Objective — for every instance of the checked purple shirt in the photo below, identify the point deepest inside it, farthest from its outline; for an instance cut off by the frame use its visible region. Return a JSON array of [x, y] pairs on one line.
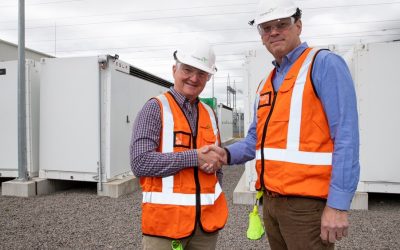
[[145, 160]]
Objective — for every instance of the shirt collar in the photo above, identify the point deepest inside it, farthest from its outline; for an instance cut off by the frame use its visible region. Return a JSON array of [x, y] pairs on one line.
[[292, 55], [181, 99]]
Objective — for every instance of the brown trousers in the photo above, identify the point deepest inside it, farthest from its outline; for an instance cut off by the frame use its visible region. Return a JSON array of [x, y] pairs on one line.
[[198, 241], [294, 223]]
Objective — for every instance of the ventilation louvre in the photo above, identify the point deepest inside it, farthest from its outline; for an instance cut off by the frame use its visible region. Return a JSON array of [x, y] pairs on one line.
[[149, 77]]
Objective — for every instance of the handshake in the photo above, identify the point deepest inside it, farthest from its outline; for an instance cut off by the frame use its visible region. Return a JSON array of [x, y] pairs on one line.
[[211, 158]]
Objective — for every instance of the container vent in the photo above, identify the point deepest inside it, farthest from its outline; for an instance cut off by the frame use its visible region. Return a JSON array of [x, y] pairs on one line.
[[149, 77]]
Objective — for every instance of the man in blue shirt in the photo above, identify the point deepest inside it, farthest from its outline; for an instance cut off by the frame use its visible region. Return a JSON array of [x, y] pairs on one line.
[[304, 136]]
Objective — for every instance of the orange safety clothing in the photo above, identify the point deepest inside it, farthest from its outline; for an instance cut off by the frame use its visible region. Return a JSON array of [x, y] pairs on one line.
[[173, 204], [294, 147]]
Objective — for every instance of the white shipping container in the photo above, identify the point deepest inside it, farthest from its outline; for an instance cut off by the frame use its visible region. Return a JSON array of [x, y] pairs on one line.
[[88, 106], [258, 65], [375, 69], [225, 122], [9, 118]]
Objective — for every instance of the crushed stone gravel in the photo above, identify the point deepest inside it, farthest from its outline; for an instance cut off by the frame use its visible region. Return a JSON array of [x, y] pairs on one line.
[[79, 219]]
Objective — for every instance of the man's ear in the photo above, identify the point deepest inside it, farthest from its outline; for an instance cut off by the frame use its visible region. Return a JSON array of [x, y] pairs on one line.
[[174, 68], [299, 26]]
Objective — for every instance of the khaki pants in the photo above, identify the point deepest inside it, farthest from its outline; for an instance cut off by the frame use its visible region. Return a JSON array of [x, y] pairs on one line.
[[198, 241], [293, 222]]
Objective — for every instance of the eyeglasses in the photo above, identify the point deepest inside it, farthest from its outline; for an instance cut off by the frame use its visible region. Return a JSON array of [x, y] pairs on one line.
[[189, 71], [279, 25]]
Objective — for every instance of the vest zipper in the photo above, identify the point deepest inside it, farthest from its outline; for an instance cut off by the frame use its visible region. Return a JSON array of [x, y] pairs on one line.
[[197, 182], [263, 141], [196, 174]]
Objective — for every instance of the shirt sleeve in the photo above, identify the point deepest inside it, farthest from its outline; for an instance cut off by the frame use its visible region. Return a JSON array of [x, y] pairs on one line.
[[245, 149], [335, 88], [145, 160]]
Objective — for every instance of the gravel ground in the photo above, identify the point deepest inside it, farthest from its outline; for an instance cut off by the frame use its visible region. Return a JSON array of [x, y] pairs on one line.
[[79, 219]]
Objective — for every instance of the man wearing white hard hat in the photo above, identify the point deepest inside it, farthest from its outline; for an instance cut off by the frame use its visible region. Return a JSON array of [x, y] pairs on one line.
[[183, 204], [304, 136]]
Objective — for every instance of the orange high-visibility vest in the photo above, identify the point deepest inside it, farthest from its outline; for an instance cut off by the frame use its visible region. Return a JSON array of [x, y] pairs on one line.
[[294, 147], [172, 205]]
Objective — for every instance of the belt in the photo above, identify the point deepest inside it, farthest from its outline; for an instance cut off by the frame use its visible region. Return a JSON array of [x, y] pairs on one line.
[[272, 194]]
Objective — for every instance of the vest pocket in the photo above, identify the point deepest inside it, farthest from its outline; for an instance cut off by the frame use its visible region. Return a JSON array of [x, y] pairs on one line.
[[265, 99], [208, 138], [182, 139], [277, 131], [316, 137]]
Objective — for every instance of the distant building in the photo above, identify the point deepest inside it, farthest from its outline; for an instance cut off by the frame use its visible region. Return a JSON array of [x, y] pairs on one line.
[[9, 52]]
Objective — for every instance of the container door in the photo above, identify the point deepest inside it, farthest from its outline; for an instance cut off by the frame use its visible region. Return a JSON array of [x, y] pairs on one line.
[[378, 102], [128, 95], [9, 119], [69, 118]]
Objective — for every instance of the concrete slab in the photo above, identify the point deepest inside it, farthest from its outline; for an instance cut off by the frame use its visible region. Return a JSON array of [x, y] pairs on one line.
[[19, 188], [360, 201], [33, 187], [242, 194], [40, 186], [117, 188]]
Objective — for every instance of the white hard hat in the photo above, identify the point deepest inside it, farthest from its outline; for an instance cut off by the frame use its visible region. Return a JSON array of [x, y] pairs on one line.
[[269, 10], [197, 53]]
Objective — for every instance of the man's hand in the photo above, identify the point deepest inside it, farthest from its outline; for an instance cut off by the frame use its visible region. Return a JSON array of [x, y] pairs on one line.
[[334, 225], [218, 150], [211, 158], [209, 161]]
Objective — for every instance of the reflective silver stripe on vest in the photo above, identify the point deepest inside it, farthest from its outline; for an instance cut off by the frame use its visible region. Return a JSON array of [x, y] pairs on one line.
[[167, 196], [168, 125], [295, 156], [181, 199], [292, 153], [296, 104], [213, 121], [167, 140]]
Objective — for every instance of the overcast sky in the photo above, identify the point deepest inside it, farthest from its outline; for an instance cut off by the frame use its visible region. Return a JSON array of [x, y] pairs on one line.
[[145, 33]]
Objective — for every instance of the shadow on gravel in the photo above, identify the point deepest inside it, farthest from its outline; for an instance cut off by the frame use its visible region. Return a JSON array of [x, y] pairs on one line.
[[379, 201]]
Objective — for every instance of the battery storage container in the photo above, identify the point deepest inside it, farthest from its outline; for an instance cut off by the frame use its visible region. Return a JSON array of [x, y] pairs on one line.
[[9, 118], [88, 107]]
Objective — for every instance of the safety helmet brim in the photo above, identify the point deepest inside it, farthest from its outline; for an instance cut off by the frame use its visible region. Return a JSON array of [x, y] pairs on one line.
[[194, 62], [269, 10], [277, 15], [197, 52]]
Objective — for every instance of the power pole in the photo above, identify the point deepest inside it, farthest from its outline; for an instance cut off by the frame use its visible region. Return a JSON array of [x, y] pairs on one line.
[[22, 158]]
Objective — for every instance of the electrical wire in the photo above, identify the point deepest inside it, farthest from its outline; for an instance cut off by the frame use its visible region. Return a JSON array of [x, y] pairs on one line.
[[141, 12], [43, 3], [193, 16]]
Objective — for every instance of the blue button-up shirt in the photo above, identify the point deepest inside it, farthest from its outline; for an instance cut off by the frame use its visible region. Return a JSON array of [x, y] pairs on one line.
[[335, 88]]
